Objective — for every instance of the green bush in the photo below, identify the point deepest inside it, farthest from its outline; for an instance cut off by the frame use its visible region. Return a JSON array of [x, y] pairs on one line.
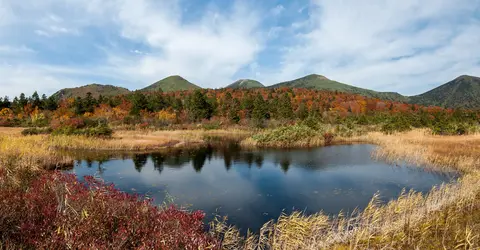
[[36, 131], [286, 135], [395, 126], [99, 131], [211, 125], [445, 128]]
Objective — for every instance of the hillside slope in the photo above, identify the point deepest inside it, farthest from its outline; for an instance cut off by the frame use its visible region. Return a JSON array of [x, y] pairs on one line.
[[462, 92], [170, 84], [95, 89], [245, 84], [320, 82]]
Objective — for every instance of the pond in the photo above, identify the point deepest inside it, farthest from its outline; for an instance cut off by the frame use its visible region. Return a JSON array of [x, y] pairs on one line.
[[253, 187]]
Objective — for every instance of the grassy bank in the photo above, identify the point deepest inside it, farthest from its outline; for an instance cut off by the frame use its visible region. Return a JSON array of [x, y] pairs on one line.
[[447, 217]]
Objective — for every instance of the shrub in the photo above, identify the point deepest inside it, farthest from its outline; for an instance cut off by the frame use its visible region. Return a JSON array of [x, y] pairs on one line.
[[99, 131], [299, 135], [444, 128], [328, 137], [59, 212], [36, 131], [397, 125], [211, 125]]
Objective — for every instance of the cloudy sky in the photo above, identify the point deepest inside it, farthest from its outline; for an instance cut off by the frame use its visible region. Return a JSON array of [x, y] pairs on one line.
[[407, 46]]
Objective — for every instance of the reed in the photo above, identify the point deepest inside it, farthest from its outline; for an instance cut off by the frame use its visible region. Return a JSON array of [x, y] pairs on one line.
[[447, 217]]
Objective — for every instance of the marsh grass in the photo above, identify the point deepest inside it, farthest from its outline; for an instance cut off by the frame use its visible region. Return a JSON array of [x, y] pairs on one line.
[[448, 217]]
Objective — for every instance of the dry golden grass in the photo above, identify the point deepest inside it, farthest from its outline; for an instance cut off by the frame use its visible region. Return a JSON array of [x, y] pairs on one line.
[[11, 131], [128, 140], [448, 217]]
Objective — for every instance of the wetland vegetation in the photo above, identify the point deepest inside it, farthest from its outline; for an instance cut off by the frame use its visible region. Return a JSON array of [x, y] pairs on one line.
[[64, 212]]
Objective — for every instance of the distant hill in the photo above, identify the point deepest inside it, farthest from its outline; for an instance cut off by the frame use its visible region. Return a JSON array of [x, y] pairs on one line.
[[320, 82], [463, 92], [95, 89], [245, 84], [170, 84]]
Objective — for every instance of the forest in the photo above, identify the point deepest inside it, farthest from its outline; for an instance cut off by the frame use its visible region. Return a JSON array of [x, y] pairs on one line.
[[212, 109]]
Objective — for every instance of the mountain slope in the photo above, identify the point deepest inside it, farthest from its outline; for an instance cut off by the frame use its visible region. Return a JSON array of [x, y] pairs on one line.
[[95, 89], [245, 84], [170, 84], [319, 82], [462, 92]]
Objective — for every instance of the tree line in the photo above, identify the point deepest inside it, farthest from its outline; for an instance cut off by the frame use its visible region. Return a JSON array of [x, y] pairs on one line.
[[252, 107]]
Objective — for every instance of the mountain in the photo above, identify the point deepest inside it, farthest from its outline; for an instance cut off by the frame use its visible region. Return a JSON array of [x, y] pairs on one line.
[[170, 84], [462, 92], [95, 89], [320, 82], [245, 84]]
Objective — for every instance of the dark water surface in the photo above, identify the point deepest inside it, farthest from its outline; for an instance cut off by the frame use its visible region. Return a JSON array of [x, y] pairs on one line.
[[252, 187]]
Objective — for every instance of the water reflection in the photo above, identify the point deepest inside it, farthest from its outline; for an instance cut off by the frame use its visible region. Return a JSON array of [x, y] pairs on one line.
[[254, 186]]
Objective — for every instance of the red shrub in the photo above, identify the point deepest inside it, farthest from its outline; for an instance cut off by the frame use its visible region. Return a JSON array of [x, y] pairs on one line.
[[328, 137], [63, 122], [59, 212]]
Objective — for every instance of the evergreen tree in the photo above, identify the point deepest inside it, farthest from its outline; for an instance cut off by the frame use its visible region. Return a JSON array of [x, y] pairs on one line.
[[51, 104], [22, 101], [302, 111], [226, 104], [139, 102], [247, 105], [233, 111], [4, 103], [35, 100], [260, 110], [89, 103], [43, 101], [16, 105], [78, 106], [285, 107], [198, 107], [156, 102]]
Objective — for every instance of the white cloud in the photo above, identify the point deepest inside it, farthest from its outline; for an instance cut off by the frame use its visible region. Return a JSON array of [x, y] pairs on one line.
[[405, 46], [387, 45], [208, 52]]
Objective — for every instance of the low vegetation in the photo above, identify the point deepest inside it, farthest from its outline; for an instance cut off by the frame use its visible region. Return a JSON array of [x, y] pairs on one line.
[[58, 212]]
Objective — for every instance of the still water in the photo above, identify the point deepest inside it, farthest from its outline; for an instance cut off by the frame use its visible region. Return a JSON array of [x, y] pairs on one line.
[[253, 187]]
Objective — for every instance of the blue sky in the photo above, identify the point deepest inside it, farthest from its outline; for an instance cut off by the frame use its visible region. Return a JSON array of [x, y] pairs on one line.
[[405, 46]]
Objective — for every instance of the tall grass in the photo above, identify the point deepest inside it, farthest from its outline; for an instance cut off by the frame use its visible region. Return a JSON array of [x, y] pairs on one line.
[[448, 217]]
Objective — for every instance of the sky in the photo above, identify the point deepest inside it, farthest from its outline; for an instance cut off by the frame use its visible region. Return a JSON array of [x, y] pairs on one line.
[[407, 46]]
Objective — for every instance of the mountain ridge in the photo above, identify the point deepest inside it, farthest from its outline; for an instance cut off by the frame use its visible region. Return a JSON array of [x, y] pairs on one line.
[[245, 84], [462, 92], [320, 82], [95, 89], [170, 84]]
